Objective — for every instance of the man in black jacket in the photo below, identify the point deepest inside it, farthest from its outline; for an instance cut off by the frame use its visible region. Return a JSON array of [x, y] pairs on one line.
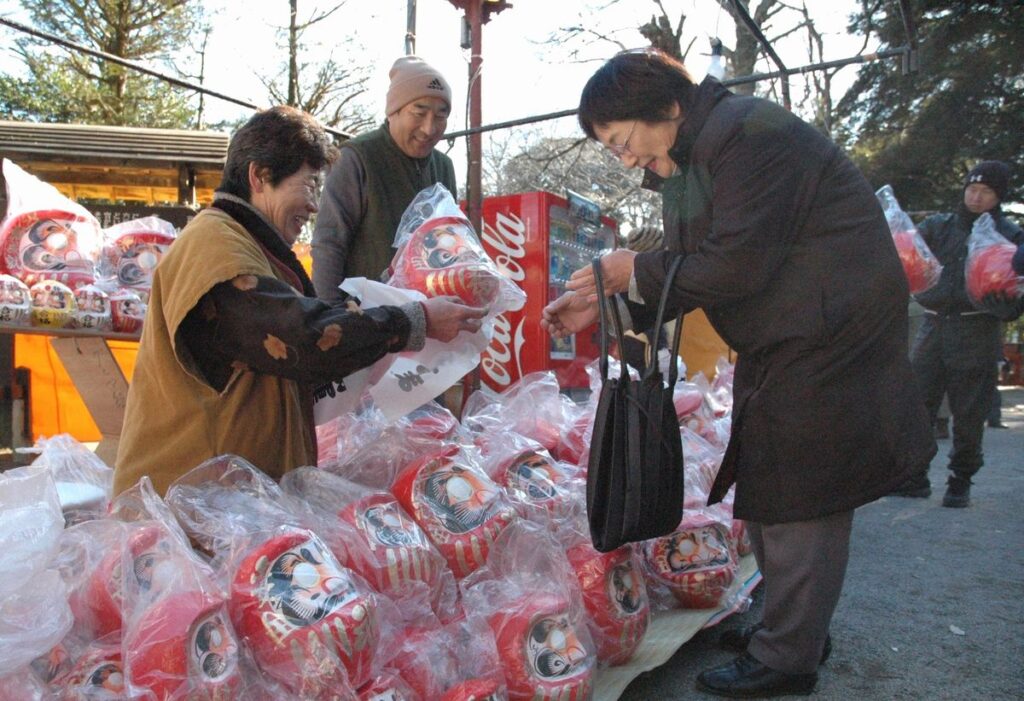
[[956, 349]]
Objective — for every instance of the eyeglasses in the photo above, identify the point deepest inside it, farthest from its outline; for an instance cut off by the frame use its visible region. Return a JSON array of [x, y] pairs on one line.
[[620, 150]]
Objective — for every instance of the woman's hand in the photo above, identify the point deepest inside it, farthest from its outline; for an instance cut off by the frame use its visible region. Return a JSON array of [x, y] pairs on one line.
[[447, 316], [569, 314], [616, 271]]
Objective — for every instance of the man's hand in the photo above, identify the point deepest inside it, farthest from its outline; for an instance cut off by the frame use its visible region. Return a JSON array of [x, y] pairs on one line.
[[616, 271], [569, 314], [447, 316]]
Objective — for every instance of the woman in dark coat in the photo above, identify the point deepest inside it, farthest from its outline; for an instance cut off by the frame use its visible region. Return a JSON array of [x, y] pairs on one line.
[[787, 251]]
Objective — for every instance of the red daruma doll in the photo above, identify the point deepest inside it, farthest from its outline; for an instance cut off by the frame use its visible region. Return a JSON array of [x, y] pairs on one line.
[[541, 653], [921, 267], [439, 260], [989, 269], [695, 562], [153, 565], [182, 647], [402, 554], [50, 245], [461, 510], [300, 612], [615, 597]]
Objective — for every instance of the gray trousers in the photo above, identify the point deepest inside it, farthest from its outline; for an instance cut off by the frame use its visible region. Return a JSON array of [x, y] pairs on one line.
[[803, 564]]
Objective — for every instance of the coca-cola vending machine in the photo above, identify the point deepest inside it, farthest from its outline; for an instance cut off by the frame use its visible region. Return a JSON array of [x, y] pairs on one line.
[[538, 239]]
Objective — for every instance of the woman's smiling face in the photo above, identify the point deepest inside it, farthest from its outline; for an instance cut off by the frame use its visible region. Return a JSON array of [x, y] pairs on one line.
[[640, 144]]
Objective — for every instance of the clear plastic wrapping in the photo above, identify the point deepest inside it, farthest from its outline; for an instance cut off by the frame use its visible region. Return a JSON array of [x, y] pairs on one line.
[[920, 265]]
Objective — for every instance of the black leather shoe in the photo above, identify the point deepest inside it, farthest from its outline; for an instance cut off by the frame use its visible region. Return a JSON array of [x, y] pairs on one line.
[[917, 487], [746, 678], [958, 493], [738, 639]]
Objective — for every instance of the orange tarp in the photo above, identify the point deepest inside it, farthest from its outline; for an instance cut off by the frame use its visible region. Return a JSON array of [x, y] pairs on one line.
[[55, 404]]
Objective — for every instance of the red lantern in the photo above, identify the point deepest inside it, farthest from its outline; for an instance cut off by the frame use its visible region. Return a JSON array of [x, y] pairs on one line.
[[50, 244], [459, 508], [920, 266], [695, 563], [302, 616], [541, 653], [183, 646], [474, 690], [615, 598], [990, 270], [438, 260], [400, 549]]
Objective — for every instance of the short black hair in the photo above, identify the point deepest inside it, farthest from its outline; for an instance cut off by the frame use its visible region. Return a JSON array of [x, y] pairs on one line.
[[634, 85], [281, 139]]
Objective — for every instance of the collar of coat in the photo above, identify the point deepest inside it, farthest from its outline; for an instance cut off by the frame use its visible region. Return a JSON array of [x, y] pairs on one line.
[[702, 100], [267, 236]]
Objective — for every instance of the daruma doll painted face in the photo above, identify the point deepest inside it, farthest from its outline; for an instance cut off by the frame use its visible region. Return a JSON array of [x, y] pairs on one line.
[[439, 260], [399, 549], [615, 597], [695, 563], [461, 510], [540, 650], [184, 647], [50, 245], [302, 616]]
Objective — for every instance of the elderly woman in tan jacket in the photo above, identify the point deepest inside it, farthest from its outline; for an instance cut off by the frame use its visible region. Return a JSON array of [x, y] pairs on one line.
[[235, 338]]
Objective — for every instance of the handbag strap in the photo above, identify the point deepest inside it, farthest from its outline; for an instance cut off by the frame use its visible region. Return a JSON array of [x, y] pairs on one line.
[[607, 309], [652, 367]]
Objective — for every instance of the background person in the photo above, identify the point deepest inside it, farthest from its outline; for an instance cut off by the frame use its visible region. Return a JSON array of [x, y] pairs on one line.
[[234, 337], [957, 348], [376, 177], [785, 248]]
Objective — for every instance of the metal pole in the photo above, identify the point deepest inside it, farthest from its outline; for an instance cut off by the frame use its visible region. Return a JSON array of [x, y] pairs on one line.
[[741, 10], [474, 13], [410, 28]]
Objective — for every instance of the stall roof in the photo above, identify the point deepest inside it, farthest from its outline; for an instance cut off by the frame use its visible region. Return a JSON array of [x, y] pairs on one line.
[[119, 163]]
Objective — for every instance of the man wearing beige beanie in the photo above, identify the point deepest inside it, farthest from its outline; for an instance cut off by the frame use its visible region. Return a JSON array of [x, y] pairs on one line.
[[377, 176]]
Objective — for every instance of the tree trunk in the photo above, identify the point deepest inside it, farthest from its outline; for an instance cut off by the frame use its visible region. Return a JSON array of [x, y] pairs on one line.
[[293, 55]]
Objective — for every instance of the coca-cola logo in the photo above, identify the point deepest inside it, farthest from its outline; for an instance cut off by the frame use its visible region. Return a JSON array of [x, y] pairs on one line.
[[506, 346], [506, 238]]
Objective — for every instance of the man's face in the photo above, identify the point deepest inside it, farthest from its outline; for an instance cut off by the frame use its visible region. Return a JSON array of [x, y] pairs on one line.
[[419, 125], [980, 198]]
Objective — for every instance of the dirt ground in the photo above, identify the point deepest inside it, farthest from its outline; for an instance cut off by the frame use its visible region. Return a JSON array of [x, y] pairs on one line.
[[933, 604]]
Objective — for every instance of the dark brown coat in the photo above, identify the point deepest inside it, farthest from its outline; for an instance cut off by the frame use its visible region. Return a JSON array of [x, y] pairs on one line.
[[788, 252]]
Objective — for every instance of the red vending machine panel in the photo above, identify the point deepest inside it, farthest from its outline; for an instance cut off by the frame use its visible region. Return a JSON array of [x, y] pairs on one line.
[[535, 240]]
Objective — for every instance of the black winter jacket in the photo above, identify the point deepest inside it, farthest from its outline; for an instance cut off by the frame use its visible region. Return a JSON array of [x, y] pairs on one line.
[[787, 250]]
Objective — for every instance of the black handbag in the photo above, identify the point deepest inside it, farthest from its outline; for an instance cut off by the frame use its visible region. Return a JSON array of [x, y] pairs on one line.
[[635, 469]]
